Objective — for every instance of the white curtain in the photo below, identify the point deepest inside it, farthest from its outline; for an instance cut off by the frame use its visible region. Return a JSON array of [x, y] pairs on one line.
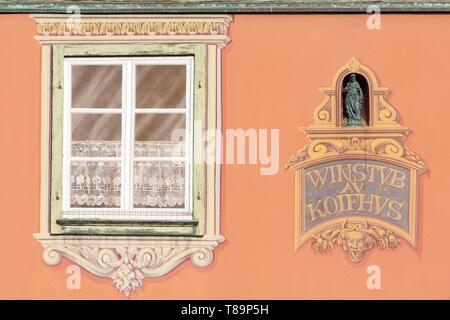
[[156, 184]]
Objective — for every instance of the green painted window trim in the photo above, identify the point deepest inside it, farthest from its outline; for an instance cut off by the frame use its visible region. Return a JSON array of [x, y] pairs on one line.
[[147, 228]]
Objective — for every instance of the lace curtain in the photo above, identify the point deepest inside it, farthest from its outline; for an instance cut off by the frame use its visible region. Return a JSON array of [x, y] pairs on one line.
[[156, 184], [141, 149]]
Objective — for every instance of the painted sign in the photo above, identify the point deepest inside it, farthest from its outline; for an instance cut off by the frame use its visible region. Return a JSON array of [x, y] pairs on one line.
[[344, 188], [356, 182]]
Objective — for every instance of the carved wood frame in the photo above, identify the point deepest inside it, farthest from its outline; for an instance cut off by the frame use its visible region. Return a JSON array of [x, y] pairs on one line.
[[128, 260]]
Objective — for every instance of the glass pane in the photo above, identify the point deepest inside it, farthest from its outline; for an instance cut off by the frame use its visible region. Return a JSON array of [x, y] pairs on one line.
[[160, 86], [96, 86], [95, 184], [160, 135], [96, 135], [158, 184]]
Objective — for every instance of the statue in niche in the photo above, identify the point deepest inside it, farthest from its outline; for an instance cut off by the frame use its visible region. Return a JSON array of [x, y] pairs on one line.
[[353, 102]]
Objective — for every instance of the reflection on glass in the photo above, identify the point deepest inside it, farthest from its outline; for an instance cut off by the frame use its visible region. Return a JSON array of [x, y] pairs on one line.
[[158, 184], [95, 184], [160, 135], [96, 135], [160, 86], [96, 86]]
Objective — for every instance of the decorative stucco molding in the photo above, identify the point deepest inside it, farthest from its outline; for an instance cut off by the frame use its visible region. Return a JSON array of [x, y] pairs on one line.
[[128, 261], [131, 28], [390, 148], [339, 235]]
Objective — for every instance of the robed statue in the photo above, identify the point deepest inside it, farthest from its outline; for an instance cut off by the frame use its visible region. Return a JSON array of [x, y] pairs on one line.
[[353, 102]]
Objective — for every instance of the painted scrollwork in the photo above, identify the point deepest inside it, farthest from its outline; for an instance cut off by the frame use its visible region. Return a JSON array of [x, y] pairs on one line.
[[386, 113], [411, 156], [389, 148], [128, 265], [357, 145], [321, 148], [355, 238], [327, 113], [99, 28], [381, 140], [299, 157], [323, 113]]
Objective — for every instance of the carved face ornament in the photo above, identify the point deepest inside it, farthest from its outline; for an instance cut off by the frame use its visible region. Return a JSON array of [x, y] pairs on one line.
[[355, 240]]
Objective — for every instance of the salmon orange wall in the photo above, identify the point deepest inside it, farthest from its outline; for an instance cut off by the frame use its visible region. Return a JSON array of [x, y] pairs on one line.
[[271, 73]]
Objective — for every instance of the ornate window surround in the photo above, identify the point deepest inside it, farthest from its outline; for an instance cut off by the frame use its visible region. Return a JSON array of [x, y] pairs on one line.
[[129, 259]]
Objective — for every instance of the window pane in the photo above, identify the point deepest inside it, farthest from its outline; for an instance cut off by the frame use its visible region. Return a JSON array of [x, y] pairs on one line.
[[96, 135], [160, 86], [159, 184], [95, 184], [160, 135], [96, 86]]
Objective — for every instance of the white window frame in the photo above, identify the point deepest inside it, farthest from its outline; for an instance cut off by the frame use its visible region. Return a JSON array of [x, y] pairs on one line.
[[128, 111]]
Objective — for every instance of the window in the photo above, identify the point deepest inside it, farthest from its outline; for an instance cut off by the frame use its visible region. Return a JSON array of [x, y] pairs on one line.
[[130, 106], [124, 140], [128, 138]]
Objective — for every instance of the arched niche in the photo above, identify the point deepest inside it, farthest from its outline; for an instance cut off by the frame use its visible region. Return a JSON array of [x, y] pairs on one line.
[[366, 107], [377, 113]]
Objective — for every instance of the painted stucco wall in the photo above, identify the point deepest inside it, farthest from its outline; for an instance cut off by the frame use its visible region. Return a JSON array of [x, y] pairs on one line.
[[271, 73]]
